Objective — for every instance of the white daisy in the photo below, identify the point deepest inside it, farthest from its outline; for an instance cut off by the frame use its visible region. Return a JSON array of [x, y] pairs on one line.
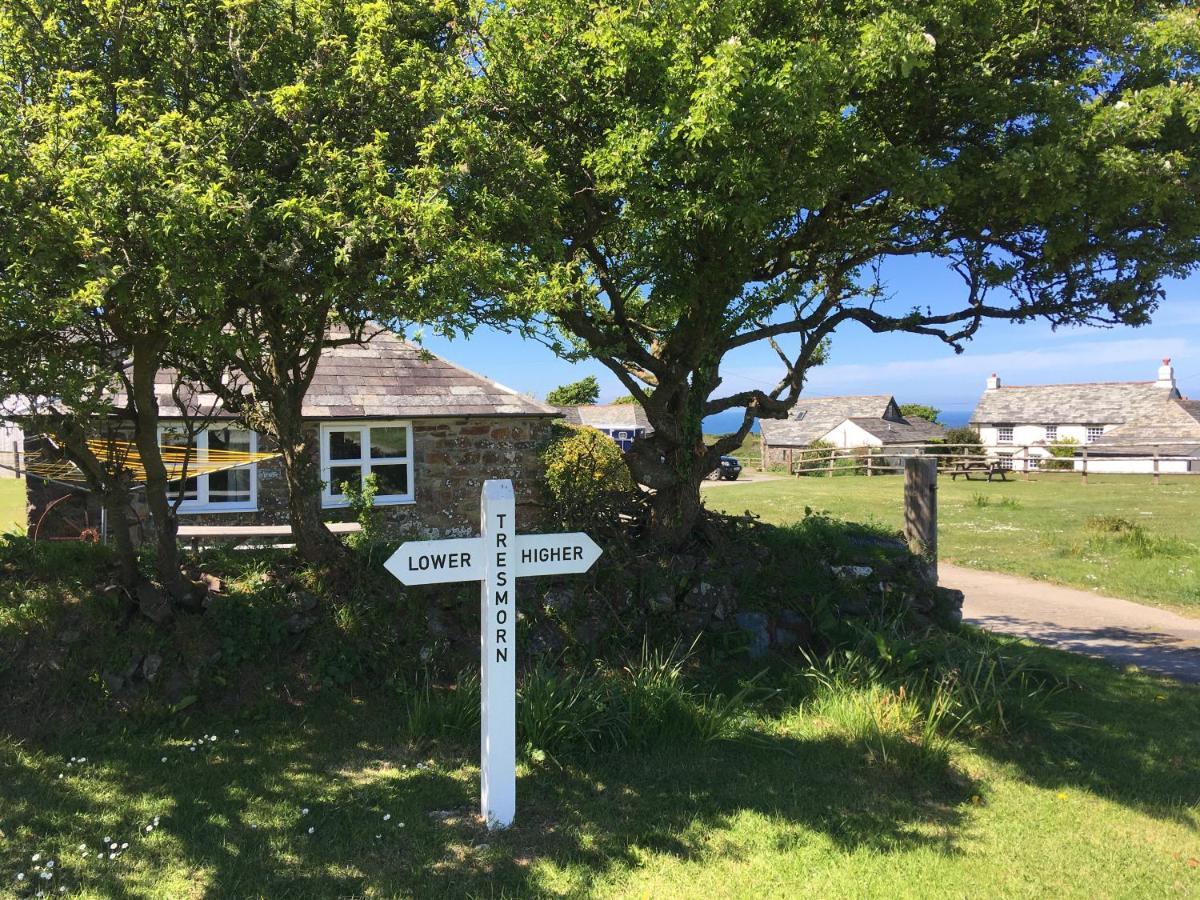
[[387, 816]]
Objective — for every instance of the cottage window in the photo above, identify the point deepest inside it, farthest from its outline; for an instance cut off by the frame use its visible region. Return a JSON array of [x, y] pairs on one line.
[[350, 451], [1004, 434], [1094, 432], [230, 490], [1051, 433], [1033, 462], [1005, 460]]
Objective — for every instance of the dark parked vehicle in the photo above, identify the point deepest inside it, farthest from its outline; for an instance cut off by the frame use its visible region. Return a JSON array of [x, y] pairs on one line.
[[729, 469]]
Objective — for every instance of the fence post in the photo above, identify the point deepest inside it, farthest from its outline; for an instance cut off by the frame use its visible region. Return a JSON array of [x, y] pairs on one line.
[[831, 452], [791, 461], [920, 511], [1084, 469], [870, 456], [1156, 464]]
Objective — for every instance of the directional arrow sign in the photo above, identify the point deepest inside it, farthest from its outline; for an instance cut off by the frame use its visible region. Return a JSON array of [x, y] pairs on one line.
[[431, 562], [496, 558], [461, 559], [555, 554]]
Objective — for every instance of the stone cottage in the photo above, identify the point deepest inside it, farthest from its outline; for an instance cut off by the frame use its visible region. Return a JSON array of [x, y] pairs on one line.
[[429, 431]]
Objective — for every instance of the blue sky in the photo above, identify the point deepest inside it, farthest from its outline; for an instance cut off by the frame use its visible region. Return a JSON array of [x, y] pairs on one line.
[[915, 369]]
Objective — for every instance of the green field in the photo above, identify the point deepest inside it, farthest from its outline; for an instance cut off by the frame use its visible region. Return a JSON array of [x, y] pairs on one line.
[[12, 505], [1095, 796], [1047, 528]]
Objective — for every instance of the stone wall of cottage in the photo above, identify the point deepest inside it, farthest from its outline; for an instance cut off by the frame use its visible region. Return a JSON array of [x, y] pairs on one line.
[[452, 457]]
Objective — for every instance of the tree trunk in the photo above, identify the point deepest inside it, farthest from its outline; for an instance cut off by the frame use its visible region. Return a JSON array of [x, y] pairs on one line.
[[116, 505], [302, 472], [145, 435], [675, 511]]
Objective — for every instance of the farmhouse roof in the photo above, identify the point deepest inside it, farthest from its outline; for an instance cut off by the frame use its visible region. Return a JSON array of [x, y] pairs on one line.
[[913, 430], [1173, 429], [1101, 403], [607, 415], [814, 417], [385, 377]]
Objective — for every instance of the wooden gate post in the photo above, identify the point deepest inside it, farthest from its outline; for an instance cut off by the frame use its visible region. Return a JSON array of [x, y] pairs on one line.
[[1156, 465], [920, 510]]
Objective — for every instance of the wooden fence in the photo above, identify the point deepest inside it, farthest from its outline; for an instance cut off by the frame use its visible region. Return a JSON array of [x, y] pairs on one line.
[[1028, 460]]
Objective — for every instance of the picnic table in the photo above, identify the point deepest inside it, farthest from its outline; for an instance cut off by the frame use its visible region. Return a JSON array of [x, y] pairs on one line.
[[990, 468], [235, 534]]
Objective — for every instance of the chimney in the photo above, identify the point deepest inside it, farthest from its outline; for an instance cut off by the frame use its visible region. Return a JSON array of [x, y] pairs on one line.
[[993, 382], [1166, 375]]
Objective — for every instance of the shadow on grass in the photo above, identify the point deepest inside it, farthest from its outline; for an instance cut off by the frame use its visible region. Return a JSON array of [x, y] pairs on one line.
[[232, 822], [341, 764], [1128, 736]]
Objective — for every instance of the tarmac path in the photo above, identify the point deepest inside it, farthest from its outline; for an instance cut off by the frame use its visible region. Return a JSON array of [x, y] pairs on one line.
[[1120, 631]]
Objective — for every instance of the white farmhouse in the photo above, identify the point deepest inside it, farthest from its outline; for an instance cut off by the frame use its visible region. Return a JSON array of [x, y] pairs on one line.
[[1018, 424], [845, 423]]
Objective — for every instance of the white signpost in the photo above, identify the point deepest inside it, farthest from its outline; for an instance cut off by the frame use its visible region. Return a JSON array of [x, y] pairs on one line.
[[497, 558]]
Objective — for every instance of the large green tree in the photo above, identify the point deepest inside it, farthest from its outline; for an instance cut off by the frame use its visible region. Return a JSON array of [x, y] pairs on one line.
[[703, 177], [110, 205], [226, 189], [321, 142]]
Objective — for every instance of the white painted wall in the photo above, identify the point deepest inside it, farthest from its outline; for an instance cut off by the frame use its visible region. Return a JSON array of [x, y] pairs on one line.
[[1139, 466], [848, 435], [1030, 435], [11, 437]]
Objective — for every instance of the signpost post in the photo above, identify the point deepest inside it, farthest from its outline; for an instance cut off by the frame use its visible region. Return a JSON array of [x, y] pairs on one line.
[[497, 558]]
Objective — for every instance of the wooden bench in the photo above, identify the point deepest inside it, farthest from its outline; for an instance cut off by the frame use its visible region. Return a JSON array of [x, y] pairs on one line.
[[966, 469], [235, 534]]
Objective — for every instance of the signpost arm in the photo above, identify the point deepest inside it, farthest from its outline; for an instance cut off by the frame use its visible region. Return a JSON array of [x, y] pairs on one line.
[[498, 651]]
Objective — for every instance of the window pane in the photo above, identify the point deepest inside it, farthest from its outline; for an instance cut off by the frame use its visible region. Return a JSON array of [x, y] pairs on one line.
[[230, 486], [389, 442], [345, 444], [229, 439], [338, 474], [189, 489], [392, 479]]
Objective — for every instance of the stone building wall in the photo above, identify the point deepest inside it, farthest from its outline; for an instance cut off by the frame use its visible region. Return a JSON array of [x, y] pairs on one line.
[[452, 457]]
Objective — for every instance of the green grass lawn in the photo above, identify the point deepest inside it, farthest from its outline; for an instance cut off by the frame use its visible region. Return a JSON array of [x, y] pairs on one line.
[[12, 505], [1095, 796], [1038, 528]]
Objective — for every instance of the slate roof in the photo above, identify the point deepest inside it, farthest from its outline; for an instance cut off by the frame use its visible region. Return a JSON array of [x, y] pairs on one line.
[[814, 417], [1103, 403], [607, 416], [904, 431], [386, 377], [1174, 428]]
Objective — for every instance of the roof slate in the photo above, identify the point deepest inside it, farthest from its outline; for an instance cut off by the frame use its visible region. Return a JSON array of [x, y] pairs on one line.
[[388, 378], [607, 415], [1171, 428], [814, 417], [905, 431], [1104, 403]]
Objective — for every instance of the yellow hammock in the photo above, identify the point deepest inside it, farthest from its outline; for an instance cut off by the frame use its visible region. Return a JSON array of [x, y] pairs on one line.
[[181, 462]]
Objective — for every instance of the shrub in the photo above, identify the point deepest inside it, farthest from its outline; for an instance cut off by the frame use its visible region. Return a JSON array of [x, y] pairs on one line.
[[1062, 454], [586, 477], [961, 442], [814, 459], [368, 516]]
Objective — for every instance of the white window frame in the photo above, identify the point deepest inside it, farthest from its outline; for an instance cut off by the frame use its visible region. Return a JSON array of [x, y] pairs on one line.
[[202, 504], [364, 426], [1033, 462], [1093, 432], [1001, 430], [1005, 460], [1051, 434]]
